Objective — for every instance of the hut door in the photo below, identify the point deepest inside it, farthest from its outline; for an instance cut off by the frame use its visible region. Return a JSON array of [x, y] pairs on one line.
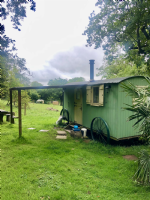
[[78, 106]]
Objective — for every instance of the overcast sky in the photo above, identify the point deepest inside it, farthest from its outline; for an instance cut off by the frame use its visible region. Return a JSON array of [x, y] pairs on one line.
[[51, 40]]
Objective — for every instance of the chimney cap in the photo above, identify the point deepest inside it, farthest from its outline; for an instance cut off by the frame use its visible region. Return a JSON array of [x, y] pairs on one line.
[[91, 61]]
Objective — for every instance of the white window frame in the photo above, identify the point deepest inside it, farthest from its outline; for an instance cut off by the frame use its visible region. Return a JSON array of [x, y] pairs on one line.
[[89, 95]]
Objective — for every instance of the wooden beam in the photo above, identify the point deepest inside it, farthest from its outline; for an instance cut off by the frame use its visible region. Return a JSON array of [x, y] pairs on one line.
[[19, 113], [63, 98], [11, 110]]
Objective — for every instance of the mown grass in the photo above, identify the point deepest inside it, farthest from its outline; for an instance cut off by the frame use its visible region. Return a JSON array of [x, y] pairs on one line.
[[37, 166]]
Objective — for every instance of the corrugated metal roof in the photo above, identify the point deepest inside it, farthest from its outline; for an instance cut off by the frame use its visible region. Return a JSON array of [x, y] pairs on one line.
[[97, 82], [35, 88], [74, 84], [77, 83], [114, 80]]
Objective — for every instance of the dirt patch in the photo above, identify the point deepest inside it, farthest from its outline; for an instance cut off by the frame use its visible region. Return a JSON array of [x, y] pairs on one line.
[[130, 157], [87, 141]]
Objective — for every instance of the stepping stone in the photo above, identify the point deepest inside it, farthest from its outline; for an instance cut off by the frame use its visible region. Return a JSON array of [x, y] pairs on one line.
[[61, 133], [69, 131], [31, 128], [130, 157], [61, 137], [43, 130]]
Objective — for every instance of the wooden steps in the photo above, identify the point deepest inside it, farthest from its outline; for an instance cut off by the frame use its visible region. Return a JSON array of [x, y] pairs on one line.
[[61, 135]]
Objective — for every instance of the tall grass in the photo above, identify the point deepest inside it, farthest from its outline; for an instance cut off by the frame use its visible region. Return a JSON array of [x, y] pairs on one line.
[[37, 166]]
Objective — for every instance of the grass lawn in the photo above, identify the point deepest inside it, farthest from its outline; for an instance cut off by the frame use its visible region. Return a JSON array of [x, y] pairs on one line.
[[37, 166]]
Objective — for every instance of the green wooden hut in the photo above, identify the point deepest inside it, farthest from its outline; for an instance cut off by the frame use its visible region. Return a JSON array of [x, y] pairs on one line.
[[97, 105]]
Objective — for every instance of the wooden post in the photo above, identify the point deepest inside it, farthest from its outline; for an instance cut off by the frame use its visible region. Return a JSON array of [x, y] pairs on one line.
[[25, 109], [11, 110], [63, 98], [19, 113]]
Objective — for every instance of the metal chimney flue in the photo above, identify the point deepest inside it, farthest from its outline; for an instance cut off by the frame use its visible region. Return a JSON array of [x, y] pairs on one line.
[[92, 70]]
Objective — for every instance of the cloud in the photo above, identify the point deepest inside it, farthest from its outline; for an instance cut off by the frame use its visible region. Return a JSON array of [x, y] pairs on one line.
[[43, 76], [69, 64], [76, 60]]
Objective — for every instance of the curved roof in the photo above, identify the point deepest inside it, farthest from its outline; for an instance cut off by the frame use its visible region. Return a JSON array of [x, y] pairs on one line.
[[114, 80], [104, 81], [76, 84]]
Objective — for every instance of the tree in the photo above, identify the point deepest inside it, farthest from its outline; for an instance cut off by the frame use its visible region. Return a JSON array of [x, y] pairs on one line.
[[57, 93], [57, 81], [4, 68], [8, 78], [121, 25], [25, 99], [34, 95], [16, 9], [35, 84], [11, 76], [121, 67], [24, 80], [76, 79], [12, 82]]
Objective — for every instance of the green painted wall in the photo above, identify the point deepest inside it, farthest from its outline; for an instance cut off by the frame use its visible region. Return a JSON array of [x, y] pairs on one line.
[[125, 128], [108, 112], [111, 112], [69, 102]]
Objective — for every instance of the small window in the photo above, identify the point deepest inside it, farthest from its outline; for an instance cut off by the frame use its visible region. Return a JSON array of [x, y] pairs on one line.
[[96, 95], [78, 95]]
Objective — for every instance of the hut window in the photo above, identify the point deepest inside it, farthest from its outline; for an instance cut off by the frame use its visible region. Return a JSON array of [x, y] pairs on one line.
[[96, 95], [78, 94]]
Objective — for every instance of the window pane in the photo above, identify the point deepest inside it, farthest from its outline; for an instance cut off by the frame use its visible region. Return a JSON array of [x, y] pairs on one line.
[[78, 94], [96, 95]]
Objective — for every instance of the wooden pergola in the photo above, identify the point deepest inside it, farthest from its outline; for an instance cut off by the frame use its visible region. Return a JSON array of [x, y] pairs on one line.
[[19, 101], [72, 85]]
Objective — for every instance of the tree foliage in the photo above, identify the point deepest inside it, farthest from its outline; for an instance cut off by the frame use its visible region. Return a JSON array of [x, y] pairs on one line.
[[143, 173], [11, 76], [121, 25], [57, 93], [11, 66], [16, 10], [34, 95], [35, 84], [141, 107], [121, 67], [57, 81], [76, 79]]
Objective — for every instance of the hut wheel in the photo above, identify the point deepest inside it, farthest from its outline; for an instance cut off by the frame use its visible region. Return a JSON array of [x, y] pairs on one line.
[[100, 130], [65, 114]]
